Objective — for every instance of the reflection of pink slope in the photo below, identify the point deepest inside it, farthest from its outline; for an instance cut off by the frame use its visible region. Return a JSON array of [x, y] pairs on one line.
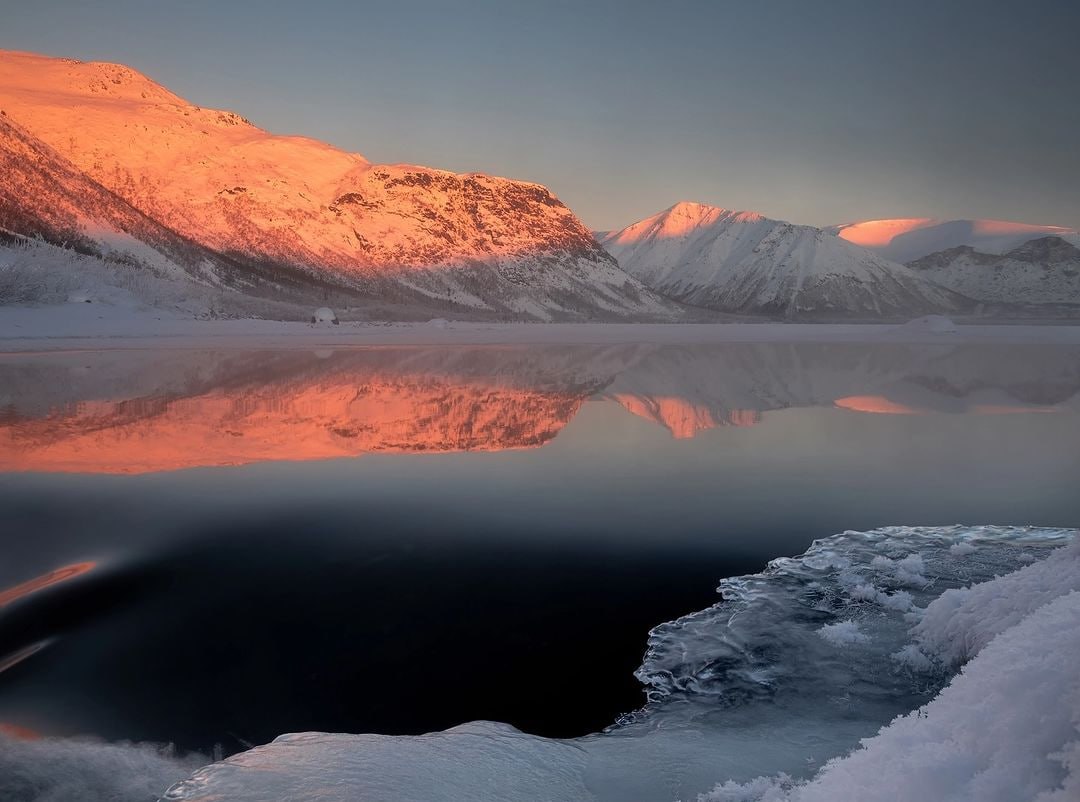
[[681, 417], [1003, 409], [45, 580], [875, 404], [878, 404], [291, 421], [18, 732]]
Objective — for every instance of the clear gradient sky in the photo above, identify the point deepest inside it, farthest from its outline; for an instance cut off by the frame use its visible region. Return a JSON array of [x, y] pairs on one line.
[[817, 112]]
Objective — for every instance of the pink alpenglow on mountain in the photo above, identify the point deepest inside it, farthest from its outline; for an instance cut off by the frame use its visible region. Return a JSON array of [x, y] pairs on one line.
[[288, 211], [905, 239]]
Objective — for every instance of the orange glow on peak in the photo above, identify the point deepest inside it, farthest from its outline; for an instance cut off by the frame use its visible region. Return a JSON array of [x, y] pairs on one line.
[[879, 233]]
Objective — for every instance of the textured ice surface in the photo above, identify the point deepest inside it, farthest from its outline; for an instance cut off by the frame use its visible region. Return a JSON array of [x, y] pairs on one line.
[[813, 635], [1006, 729], [746, 689]]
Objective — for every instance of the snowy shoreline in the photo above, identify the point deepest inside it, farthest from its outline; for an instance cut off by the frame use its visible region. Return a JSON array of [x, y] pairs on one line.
[[98, 326]]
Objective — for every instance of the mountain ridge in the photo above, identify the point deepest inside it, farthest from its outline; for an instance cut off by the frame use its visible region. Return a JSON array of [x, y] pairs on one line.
[[1040, 271], [744, 262], [399, 233]]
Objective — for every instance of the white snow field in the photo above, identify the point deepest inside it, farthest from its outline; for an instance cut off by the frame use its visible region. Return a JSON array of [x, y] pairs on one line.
[[752, 695]]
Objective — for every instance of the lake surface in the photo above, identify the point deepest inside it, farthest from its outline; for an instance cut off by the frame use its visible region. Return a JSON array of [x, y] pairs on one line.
[[212, 547]]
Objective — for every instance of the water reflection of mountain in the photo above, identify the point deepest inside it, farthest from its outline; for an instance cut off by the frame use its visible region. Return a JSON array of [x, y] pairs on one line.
[[131, 412]]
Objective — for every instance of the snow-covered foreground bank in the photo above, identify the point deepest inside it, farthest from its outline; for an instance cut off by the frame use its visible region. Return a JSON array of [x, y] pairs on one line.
[[791, 669], [101, 324]]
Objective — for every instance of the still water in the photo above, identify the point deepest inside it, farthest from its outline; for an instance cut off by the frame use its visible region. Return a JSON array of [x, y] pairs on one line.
[[215, 547]]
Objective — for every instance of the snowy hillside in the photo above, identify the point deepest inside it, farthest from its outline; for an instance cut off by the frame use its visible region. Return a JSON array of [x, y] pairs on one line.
[[292, 209], [44, 196], [906, 239], [1041, 271], [743, 262]]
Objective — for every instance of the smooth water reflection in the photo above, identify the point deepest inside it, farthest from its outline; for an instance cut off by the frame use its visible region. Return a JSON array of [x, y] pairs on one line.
[[402, 539], [137, 412]]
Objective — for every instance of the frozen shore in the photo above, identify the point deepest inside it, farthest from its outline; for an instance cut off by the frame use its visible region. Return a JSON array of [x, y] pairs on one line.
[[76, 326]]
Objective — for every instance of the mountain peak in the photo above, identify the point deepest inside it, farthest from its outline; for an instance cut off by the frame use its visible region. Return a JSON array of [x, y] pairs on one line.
[[706, 214], [31, 72]]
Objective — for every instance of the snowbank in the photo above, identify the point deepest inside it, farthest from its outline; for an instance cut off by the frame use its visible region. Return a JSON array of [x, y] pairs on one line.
[[959, 623], [1007, 729]]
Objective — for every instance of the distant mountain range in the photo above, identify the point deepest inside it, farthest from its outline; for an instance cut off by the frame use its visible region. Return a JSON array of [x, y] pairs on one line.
[[99, 159], [906, 239], [744, 262], [1041, 271], [108, 160]]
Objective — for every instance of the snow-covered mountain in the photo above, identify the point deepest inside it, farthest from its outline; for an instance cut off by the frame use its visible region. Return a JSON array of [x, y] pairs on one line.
[[744, 262], [287, 205], [905, 239], [1041, 271], [44, 196]]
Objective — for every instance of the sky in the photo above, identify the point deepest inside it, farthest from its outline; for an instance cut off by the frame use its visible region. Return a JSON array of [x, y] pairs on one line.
[[815, 112]]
